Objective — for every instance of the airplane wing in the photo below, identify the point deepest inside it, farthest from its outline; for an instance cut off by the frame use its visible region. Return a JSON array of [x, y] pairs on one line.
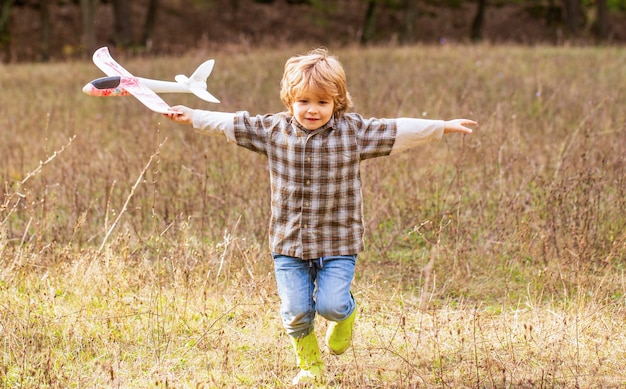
[[103, 60]]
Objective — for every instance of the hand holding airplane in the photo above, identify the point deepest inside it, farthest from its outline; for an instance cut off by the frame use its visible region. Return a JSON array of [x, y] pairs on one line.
[[120, 82]]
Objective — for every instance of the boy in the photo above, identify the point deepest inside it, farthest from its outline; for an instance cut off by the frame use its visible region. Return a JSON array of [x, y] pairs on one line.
[[316, 228]]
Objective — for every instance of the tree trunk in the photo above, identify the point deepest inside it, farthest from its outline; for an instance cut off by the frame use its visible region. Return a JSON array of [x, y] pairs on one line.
[[574, 17], [602, 22], [5, 35], [478, 22], [46, 29], [148, 27], [553, 13], [5, 12], [122, 24], [409, 34], [369, 27], [88, 15]]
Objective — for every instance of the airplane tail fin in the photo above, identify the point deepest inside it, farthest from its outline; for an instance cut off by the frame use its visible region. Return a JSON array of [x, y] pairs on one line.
[[197, 82]]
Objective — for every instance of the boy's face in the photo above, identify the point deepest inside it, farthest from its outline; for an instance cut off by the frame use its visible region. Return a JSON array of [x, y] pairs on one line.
[[312, 111]]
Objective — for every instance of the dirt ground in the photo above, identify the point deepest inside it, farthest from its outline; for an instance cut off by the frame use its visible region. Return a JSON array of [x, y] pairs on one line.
[[182, 26]]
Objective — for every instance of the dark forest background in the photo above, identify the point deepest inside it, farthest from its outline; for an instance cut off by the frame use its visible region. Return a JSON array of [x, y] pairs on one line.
[[43, 30]]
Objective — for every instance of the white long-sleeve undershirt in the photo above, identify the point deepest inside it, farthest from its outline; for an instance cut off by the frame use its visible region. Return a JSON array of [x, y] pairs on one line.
[[411, 132], [214, 123]]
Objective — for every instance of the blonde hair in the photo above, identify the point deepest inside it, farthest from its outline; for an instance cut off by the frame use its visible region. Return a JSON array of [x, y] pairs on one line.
[[316, 72]]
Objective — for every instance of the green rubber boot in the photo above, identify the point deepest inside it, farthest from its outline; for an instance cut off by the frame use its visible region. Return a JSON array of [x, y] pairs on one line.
[[308, 359], [339, 334]]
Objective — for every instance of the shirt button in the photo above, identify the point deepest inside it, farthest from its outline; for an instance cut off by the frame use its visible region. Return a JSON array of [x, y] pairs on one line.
[[308, 182]]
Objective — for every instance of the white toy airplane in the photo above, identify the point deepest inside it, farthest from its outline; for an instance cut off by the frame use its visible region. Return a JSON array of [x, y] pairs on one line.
[[120, 82]]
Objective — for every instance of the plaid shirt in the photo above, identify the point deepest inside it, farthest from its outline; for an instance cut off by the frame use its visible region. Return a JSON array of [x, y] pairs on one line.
[[315, 178]]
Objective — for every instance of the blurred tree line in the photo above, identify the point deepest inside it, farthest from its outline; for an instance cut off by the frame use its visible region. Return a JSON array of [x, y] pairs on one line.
[[573, 15]]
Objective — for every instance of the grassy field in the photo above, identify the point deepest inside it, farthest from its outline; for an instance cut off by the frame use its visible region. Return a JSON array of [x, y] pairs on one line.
[[133, 251]]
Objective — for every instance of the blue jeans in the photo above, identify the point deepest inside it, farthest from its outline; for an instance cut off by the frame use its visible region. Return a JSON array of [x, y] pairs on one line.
[[307, 287]]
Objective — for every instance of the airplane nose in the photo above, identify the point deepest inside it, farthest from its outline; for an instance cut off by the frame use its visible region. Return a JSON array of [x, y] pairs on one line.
[[87, 88]]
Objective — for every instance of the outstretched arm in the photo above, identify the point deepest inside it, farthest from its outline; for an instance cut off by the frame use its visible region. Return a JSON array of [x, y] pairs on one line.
[[413, 132], [205, 122]]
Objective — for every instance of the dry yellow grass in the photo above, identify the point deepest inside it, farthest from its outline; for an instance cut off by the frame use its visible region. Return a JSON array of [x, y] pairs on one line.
[[495, 260]]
